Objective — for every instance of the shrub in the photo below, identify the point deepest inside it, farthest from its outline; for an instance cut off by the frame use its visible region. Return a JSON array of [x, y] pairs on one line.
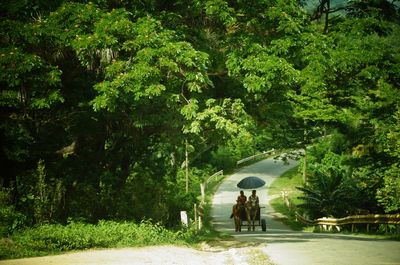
[[55, 238], [10, 219], [225, 158]]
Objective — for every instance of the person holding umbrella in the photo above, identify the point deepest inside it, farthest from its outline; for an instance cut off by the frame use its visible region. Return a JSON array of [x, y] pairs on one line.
[[253, 199], [252, 206]]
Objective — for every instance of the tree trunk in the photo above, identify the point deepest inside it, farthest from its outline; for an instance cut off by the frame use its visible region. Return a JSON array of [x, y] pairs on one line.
[[327, 9], [305, 152], [305, 165]]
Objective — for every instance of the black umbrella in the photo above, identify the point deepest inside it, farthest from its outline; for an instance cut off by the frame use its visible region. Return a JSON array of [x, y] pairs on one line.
[[251, 182]]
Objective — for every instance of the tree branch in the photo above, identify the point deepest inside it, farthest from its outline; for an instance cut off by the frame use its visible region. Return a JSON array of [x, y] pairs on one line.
[[223, 73]]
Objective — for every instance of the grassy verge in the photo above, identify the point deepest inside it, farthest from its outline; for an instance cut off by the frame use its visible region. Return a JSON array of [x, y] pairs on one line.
[[287, 182], [54, 238]]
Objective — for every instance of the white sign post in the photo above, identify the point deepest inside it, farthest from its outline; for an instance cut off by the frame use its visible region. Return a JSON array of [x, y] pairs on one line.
[[184, 219]]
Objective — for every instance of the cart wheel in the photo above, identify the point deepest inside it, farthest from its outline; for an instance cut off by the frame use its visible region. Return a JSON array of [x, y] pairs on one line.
[[263, 225]]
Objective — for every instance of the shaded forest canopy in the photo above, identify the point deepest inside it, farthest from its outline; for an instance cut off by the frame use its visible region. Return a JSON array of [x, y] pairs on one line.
[[120, 109]]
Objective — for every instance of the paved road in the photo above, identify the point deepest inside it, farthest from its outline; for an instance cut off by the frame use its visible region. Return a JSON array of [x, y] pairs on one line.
[[287, 247]]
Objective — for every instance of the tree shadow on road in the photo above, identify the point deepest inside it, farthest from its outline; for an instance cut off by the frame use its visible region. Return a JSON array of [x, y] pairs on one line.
[[289, 236]]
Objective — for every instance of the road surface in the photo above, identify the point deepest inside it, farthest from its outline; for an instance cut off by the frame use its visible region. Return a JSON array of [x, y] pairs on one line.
[[287, 247]]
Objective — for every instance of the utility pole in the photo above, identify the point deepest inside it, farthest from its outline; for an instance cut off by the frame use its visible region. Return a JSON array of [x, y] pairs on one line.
[[187, 166], [305, 152], [305, 165]]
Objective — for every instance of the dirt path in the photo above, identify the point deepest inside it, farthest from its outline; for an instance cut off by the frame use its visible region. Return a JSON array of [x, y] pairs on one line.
[[132, 256], [165, 255]]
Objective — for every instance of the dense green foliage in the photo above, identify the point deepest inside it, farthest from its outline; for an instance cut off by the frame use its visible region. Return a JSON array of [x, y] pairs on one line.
[[120, 109]]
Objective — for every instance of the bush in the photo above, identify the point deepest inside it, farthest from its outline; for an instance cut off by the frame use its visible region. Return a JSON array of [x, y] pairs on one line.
[[10, 219], [55, 238], [225, 158]]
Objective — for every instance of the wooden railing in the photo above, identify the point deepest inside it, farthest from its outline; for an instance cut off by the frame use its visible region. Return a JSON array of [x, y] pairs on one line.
[[199, 209], [213, 176], [326, 223], [203, 185], [255, 156]]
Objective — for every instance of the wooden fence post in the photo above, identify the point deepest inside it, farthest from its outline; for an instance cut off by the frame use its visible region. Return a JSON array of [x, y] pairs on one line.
[[201, 215], [285, 198], [202, 190]]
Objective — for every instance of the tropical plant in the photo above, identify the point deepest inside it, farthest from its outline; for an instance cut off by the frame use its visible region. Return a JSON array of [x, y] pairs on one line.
[[328, 193]]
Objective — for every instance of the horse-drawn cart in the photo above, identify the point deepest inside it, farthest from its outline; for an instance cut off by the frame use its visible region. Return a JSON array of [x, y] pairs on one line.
[[247, 210], [256, 221]]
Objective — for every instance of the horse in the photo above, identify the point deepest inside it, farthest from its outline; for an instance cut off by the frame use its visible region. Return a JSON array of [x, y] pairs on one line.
[[251, 213], [237, 211]]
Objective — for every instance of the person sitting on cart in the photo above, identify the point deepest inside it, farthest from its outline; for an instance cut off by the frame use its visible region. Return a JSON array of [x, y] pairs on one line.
[[240, 204], [253, 199], [242, 198], [252, 207]]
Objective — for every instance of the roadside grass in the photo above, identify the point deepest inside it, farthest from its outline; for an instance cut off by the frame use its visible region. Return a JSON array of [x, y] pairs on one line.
[[258, 257], [55, 238], [287, 183]]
